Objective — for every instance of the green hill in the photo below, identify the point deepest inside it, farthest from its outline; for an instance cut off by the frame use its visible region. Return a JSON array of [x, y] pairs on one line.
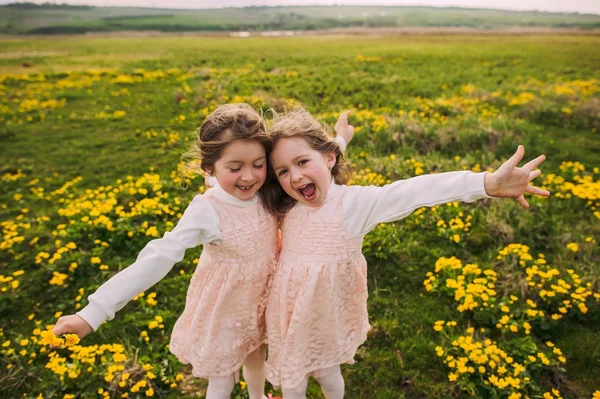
[[29, 18]]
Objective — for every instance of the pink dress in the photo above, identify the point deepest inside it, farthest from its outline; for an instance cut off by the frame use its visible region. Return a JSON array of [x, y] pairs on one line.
[[224, 316], [317, 309]]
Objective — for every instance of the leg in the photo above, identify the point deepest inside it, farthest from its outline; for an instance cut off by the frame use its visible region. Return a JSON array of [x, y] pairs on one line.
[[254, 373], [296, 393], [332, 382], [220, 387]]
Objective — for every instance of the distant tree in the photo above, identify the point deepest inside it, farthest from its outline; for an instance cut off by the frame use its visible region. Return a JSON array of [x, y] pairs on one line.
[[30, 6]]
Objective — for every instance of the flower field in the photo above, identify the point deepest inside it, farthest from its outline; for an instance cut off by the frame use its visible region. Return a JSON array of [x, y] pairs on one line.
[[484, 300]]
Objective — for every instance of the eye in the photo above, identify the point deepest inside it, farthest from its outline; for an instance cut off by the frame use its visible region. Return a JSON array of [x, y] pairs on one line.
[[259, 166], [235, 170], [303, 161], [282, 172]]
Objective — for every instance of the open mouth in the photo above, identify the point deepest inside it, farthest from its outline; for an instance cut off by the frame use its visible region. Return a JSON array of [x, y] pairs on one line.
[[245, 189], [308, 191]]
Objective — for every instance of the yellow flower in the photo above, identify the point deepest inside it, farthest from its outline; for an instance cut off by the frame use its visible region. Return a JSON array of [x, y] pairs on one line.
[[48, 338], [72, 339], [243, 384], [596, 395], [573, 246]]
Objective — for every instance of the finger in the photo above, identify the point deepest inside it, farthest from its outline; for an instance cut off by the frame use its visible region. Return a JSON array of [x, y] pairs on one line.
[[534, 174], [521, 200], [517, 157], [343, 116], [59, 328], [537, 191], [534, 163]]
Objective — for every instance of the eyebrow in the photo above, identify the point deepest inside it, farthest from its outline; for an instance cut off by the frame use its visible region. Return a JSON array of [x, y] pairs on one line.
[[234, 161], [293, 160]]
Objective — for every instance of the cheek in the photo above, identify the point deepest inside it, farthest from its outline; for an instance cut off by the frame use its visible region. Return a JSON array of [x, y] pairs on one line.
[[285, 184], [262, 173], [229, 179]]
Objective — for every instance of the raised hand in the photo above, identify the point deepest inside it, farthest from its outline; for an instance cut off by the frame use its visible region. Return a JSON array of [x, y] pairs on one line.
[[343, 129], [510, 181]]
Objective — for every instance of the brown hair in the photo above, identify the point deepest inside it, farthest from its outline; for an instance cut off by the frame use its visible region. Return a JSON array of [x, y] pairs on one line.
[[299, 123], [226, 124]]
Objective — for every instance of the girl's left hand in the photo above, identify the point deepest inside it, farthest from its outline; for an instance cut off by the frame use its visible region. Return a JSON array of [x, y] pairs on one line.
[[510, 181]]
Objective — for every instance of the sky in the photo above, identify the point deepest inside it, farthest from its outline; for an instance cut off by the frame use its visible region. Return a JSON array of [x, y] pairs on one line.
[[580, 6]]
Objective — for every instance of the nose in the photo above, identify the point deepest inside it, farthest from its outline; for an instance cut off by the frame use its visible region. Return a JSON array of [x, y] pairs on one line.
[[296, 175], [246, 174]]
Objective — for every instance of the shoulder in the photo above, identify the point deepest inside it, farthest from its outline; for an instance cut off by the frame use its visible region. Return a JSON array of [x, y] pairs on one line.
[[201, 200], [356, 193], [201, 204]]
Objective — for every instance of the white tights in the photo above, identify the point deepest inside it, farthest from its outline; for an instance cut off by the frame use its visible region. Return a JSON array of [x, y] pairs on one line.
[[331, 380], [254, 375]]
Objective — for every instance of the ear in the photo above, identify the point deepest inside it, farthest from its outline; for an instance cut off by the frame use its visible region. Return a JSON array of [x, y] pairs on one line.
[[330, 159], [208, 170]]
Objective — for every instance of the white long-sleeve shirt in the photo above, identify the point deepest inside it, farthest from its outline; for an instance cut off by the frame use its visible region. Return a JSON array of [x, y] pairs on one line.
[[363, 209]]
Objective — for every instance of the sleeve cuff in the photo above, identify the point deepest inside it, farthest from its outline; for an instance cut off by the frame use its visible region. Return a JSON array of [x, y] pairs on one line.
[[476, 185], [93, 315], [342, 143]]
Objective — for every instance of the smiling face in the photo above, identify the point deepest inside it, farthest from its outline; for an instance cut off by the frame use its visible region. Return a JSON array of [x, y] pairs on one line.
[[304, 173], [242, 168]]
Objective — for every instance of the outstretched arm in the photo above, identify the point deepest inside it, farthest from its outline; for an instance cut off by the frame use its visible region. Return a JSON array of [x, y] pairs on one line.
[[198, 225], [365, 207]]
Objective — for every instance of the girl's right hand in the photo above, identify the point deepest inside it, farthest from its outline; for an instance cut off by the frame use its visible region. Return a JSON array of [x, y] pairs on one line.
[[72, 324], [343, 129]]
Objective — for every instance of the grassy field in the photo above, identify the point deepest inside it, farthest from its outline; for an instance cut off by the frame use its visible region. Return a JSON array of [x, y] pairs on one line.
[[466, 300], [48, 19]]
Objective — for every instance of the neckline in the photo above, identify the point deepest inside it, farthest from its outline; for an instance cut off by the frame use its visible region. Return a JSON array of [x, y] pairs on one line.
[[222, 195]]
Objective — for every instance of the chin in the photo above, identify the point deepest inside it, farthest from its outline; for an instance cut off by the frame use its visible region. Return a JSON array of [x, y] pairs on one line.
[[313, 204], [246, 196]]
